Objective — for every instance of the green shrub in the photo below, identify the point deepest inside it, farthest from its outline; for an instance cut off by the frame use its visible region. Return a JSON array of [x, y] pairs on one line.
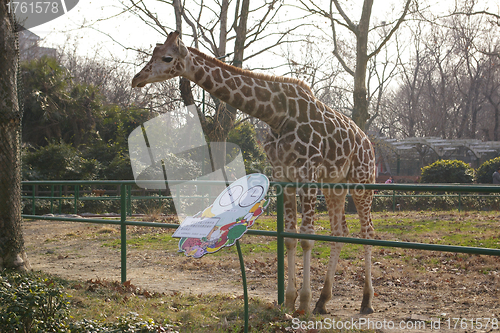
[[485, 171], [447, 171], [57, 160], [131, 323], [31, 304], [421, 201]]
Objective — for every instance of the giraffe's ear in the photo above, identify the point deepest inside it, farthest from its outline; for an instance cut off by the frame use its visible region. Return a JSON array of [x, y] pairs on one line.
[[183, 51]]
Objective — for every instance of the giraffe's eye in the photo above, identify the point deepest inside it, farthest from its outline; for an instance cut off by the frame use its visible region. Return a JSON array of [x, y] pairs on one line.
[[167, 59]]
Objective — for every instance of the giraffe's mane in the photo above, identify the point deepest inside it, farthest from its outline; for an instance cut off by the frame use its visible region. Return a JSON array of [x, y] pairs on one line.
[[240, 71]]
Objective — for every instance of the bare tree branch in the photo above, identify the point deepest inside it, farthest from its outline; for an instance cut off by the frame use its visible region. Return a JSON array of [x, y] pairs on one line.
[[481, 12], [337, 54], [148, 13], [393, 30], [350, 24], [319, 11]]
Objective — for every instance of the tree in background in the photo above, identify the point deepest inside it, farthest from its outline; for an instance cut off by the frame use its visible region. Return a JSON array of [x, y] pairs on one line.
[[449, 79], [354, 56], [55, 107], [73, 129], [12, 252]]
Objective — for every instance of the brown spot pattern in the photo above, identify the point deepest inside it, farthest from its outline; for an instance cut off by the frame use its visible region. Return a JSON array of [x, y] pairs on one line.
[[217, 76], [262, 94]]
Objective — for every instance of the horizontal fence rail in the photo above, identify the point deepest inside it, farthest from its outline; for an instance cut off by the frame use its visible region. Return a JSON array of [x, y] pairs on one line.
[[65, 193], [124, 196]]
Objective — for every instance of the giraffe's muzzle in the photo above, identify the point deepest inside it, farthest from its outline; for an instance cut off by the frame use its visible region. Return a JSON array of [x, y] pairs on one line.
[[137, 81]]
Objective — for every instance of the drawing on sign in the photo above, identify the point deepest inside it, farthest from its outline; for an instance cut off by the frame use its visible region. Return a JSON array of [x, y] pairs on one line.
[[235, 209], [196, 227]]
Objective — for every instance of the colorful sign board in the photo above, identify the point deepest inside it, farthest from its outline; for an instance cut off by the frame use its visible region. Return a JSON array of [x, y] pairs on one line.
[[227, 219]]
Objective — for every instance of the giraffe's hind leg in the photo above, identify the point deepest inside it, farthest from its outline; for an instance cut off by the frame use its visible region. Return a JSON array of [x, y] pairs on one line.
[[335, 202], [363, 201]]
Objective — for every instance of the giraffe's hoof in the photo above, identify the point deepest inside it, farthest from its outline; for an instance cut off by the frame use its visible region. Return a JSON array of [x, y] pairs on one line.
[[290, 305], [366, 310], [290, 298], [303, 309], [320, 310]]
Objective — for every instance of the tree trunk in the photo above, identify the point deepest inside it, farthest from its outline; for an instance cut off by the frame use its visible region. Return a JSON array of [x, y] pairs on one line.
[[241, 35], [360, 113], [225, 114], [496, 135], [12, 253], [217, 128], [184, 84]]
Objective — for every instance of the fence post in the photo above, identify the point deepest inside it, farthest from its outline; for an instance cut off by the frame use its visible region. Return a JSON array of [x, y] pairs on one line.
[[33, 199], [280, 246], [129, 200], [76, 194], [123, 231], [393, 201], [459, 202], [267, 208], [60, 200], [244, 280], [52, 199]]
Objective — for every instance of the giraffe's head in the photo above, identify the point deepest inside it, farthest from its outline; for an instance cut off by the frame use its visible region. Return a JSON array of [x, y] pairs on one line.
[[168, 61]]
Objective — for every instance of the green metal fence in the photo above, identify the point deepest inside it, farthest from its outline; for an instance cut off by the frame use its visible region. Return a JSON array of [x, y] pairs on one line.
[[124, 197], [75, 193]]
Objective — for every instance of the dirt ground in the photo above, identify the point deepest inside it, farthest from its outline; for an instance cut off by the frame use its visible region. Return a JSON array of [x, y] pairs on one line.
[[453, 286]]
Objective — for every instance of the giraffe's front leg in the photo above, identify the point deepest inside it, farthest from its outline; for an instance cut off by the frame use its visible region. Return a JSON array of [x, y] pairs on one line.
[[290, 209], [305, 291], [291, 288], [307, 227]]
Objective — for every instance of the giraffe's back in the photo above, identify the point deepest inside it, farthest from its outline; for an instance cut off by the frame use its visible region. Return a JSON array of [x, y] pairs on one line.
[[315, 135]]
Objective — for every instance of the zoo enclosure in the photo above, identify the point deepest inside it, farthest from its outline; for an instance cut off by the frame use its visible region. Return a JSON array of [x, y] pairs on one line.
[[123, 194]]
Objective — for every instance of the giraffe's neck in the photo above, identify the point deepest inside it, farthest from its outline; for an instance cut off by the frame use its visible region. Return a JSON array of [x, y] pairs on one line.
[[260, 96]]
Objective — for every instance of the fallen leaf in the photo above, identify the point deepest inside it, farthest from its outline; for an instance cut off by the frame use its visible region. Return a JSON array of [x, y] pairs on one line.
[[298, 313]]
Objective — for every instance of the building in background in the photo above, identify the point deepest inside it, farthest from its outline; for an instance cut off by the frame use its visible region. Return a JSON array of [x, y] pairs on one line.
[[29, 48]]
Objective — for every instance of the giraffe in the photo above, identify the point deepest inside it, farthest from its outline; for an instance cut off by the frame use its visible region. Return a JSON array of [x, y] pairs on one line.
[[307, 142]]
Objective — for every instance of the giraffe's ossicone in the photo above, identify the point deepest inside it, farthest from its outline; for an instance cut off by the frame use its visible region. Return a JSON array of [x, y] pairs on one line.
[[307, 143]]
